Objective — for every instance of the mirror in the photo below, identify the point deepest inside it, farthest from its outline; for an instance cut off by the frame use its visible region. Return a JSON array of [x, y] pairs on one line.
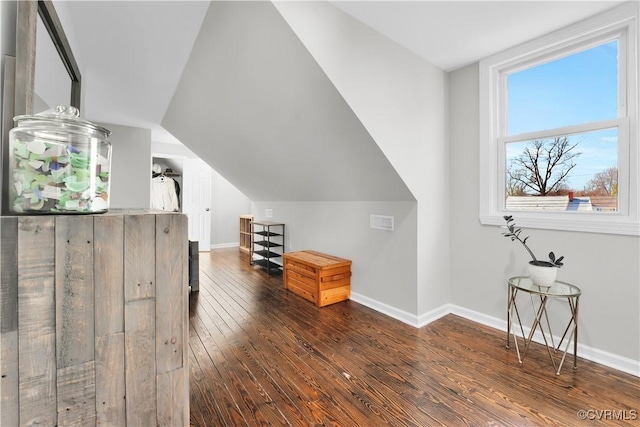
[[52, 85], [37, 23], [40, 74]]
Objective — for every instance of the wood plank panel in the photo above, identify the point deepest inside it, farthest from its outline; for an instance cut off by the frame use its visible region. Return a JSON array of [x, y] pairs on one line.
[[139, 257], [9, 402], [110, 380], [301, 289], [37, 321], [184, 224], [75, 328], [170, 306], [109, 274], [77, 395], [140, 362], [9, 413], [334, 295], [8, 274], [60, 367], [171, 397]]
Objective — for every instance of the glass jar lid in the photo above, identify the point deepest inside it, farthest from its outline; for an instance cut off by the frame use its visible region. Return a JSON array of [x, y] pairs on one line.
[[64, 116]]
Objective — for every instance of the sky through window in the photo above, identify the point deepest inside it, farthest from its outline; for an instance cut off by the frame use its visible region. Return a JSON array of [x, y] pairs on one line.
[[576, 89]]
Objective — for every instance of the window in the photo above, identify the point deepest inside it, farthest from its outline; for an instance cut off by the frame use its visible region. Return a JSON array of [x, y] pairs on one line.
[[558, 128]]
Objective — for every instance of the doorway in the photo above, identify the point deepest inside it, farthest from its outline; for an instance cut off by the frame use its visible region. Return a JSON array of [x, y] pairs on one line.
[[193, 177]]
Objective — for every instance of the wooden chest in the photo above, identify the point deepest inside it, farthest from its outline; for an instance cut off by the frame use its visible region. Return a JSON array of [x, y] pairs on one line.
[[320, 278]]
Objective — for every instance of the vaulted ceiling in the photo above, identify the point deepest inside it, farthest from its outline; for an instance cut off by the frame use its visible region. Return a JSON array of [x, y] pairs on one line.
[[233, 82], [254, 104], [132, 53]]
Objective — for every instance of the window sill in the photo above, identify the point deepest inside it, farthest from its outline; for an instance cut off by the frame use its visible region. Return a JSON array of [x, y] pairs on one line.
[[582, 222]]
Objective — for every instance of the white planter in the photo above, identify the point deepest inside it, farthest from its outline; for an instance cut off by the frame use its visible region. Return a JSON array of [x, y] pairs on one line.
[[542, 275]]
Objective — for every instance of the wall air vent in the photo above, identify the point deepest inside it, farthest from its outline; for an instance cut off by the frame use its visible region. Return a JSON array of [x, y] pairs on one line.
[[381, 222]]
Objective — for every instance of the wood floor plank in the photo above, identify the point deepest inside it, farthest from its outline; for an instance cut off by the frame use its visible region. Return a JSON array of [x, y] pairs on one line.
[[260, 355], [215, 406], [225, 371], [238, 313]]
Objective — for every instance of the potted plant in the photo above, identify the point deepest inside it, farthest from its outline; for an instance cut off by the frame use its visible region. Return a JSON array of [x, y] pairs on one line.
[[542, 273]]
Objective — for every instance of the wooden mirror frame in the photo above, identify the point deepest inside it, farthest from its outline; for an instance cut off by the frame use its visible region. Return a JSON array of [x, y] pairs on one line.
[[27, 17]]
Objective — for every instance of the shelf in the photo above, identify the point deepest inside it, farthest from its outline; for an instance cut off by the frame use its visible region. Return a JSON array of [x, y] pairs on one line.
[[267, 233], [261, 252], [267, 244], [267, 254], [245, 233], [269, 265]]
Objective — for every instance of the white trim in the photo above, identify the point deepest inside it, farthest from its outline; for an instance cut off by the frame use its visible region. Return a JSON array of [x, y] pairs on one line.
[[622, 20], [605, 223], [225, 245], [621, 122], [380, 307], [602, 357], [611, 360], [598, 26], [433, 315], [401, 315]]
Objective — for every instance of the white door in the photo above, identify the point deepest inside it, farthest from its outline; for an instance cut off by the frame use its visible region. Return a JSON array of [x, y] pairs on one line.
[[196, 201]]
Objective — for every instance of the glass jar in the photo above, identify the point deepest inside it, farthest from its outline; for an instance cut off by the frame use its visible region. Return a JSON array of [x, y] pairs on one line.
[[58, 163]]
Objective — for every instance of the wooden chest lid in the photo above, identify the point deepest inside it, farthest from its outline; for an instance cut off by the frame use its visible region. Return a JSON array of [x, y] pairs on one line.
[[316, 259]]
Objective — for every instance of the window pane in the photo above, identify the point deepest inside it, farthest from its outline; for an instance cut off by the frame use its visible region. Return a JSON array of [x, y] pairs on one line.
[[575, 89], [564, 173]]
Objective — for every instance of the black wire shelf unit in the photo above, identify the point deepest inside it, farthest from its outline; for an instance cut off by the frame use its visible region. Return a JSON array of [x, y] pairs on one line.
[[267, 245]]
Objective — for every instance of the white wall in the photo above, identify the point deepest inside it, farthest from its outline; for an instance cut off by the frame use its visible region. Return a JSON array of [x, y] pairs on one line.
[[165, 149], [383, 268], [130, 166], [401, 100], [605, 267], [227, 204], [254, 105], [8, 27]]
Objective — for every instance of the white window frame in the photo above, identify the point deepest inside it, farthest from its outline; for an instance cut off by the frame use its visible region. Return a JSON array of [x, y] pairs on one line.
[[620, 23]]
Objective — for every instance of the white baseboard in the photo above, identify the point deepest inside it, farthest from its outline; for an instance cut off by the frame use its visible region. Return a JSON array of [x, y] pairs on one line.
[[401, 315], [602, 357], [225, 245], [433, 315]]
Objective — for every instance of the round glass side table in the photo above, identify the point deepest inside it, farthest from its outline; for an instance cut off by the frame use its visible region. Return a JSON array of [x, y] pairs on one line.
[[558, 290]]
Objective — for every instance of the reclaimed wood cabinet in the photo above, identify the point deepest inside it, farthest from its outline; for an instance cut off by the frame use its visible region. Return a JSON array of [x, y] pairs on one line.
[[94, 323], [320, 278]]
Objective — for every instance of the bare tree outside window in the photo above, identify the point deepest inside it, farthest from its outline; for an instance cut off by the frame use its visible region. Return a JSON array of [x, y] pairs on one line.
[[543, 167], [515, 179], [604, 183]]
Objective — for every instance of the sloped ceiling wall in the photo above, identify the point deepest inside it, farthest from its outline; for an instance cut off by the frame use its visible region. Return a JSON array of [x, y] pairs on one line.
[[253, 103]]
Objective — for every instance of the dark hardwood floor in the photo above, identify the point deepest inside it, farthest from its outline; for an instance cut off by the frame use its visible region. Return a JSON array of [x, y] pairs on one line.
[[260, 355]]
